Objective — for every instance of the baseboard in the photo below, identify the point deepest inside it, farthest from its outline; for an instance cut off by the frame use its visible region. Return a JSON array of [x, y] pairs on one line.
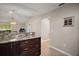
[[60, 51]]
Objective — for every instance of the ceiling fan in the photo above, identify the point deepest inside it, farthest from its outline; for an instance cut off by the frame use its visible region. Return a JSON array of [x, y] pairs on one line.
[[61, 4]]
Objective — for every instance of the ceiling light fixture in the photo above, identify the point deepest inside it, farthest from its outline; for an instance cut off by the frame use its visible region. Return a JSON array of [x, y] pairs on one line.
[[13, 22]]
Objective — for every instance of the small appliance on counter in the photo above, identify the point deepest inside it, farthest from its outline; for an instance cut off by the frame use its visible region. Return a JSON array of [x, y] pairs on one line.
[[22, 30]]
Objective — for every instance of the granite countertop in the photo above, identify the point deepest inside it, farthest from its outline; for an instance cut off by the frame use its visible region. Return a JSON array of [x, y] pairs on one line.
[[19, 37]]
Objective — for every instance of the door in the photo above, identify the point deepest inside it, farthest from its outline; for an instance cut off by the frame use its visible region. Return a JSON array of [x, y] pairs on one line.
[[45, 28], [45, 31]]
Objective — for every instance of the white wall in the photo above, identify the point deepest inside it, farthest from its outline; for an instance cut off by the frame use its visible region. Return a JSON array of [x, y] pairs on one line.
[[65, 38], [35, 23], [45, 28]]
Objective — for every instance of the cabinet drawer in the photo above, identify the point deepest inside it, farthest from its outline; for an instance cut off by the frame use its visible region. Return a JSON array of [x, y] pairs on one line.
[[24, 53], [24, 42], [34, 49], [30, 43], [15, 43], [30, 53], [34, 52], [34, 46], [34, 40], [30, 48], [26, 49], [37, 53]]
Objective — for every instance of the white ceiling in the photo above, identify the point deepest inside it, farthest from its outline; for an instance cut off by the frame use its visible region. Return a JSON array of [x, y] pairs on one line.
[[23, 11]]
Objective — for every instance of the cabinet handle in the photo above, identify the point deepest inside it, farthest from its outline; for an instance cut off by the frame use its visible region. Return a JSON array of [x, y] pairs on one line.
[[36, 53], [37, 39], [26, 42], [26, 49], [11, 45]]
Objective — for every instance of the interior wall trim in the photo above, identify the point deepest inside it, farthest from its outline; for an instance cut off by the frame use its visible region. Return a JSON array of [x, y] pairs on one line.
[[60, 50], [44, 40]]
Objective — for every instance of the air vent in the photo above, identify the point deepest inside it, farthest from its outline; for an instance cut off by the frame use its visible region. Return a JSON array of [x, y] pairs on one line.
[[69, 21]]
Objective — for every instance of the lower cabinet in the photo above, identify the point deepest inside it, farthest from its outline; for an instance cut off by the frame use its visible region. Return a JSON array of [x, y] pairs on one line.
[[30, 47], [5, 49], [15, 49], [9, 49]]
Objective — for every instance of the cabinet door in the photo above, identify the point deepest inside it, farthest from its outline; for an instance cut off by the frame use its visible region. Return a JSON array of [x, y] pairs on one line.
[[30, 47], [10, 49], [24, 51], [5, 49], [15, 49], [35, 46]]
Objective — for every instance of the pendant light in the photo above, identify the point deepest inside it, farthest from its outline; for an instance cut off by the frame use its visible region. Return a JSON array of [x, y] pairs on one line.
[[13, 22]]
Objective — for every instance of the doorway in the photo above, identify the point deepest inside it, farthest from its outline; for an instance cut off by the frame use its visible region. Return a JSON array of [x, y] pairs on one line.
[[45, 31]]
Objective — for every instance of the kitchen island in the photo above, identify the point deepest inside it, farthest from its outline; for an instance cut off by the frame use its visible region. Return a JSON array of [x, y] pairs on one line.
[[21, 46]]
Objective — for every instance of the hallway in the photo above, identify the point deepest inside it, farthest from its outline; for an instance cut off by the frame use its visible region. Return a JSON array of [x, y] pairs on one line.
[[48, 51]]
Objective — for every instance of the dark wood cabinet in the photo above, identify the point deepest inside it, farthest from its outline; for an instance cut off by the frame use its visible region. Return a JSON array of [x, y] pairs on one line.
[[9, 49], [15, 49], [30, 47], [5, 49]]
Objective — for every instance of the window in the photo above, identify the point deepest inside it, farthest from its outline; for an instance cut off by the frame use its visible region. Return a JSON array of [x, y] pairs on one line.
[[5, 26], [68, 21]]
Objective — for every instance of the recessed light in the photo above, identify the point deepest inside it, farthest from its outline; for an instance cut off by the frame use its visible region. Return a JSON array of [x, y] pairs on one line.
[[11, 12]]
